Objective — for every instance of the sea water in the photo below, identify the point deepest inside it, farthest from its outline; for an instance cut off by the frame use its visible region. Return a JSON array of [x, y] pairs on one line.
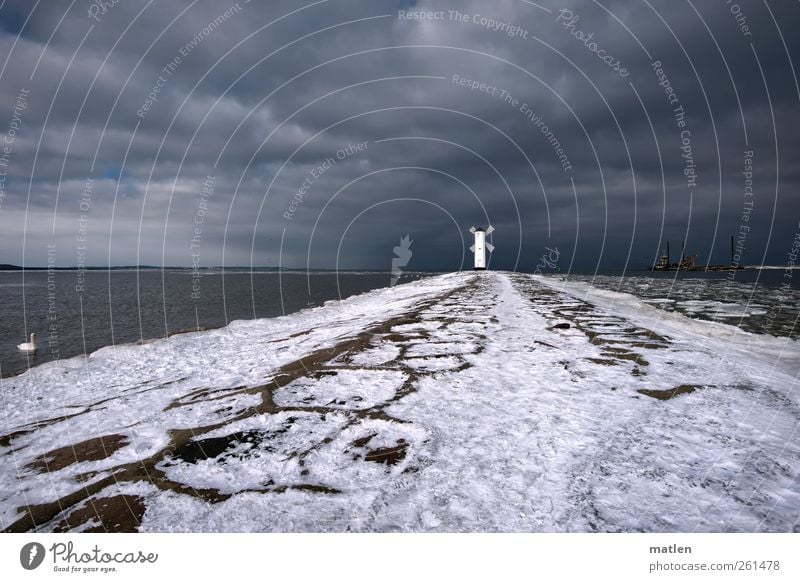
[[118, 307]]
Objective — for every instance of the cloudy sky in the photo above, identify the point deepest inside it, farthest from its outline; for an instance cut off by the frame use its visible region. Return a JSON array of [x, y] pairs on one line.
[[319, 133]]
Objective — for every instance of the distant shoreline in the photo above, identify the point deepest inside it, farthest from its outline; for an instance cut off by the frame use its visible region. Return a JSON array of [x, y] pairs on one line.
[[17, 268], [5, 268]]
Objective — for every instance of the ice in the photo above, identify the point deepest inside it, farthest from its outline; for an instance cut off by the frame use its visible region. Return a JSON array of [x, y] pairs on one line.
[[719, 308]]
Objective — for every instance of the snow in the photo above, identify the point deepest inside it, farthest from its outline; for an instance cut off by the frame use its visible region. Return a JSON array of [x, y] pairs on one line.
[[353, 389], [434, 364], [778, 357], [463, 409], [263, 460], [380, 354]]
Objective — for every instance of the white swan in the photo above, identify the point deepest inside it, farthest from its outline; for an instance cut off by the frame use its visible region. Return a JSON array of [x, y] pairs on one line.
[[30, 346]]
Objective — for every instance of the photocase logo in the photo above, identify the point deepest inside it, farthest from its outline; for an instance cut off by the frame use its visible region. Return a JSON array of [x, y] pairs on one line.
[[549, 260], [100, 7], [31, 555], [403, 255]]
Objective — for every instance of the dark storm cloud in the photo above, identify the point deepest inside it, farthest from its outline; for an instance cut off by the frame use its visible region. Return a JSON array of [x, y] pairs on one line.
[[252, 100]]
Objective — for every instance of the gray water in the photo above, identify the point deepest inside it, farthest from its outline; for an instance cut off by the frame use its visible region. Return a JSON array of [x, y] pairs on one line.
[[117, 307]]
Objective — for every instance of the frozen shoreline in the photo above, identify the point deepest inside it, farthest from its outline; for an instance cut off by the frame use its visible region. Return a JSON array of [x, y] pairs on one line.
[[447, 404]]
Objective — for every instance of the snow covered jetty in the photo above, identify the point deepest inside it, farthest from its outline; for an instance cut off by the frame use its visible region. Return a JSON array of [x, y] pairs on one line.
[[465, 402]]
